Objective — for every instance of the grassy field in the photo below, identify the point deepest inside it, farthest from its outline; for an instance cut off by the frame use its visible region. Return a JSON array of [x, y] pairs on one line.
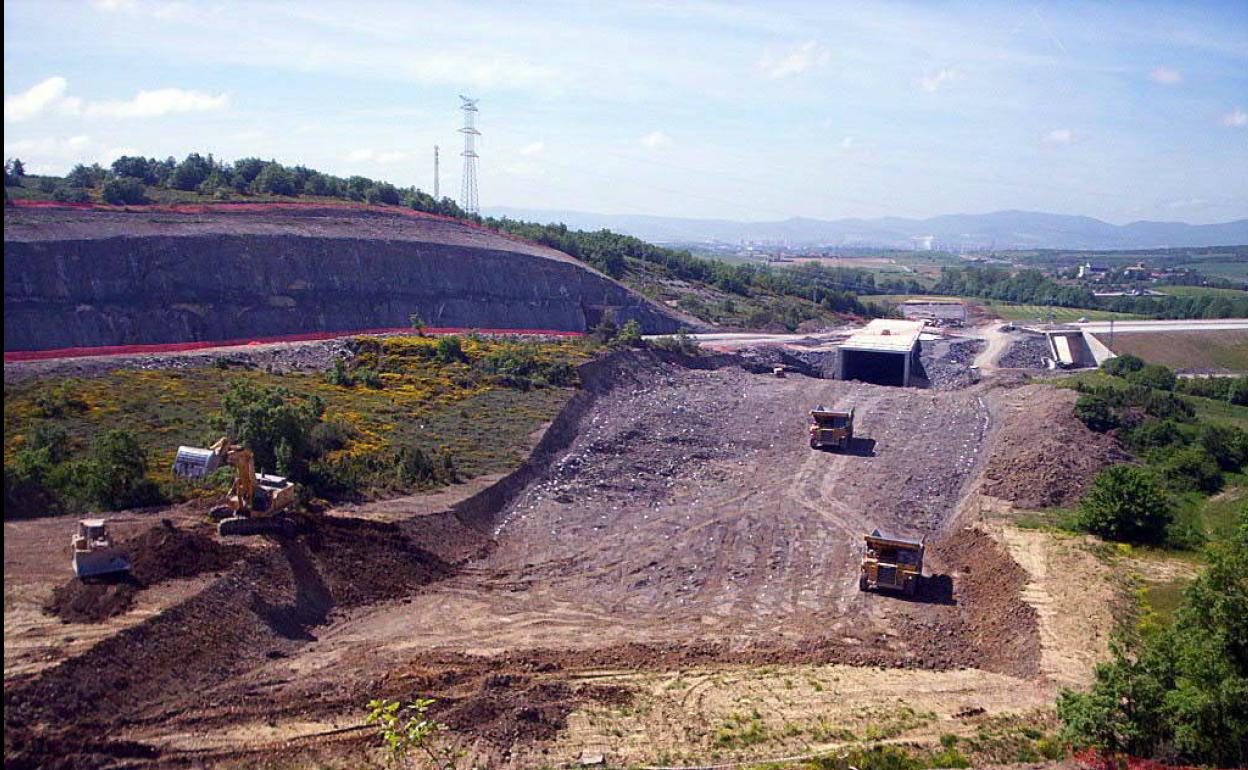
[[482, 420], [1200, 291], [1220, 349], [1013, 312]]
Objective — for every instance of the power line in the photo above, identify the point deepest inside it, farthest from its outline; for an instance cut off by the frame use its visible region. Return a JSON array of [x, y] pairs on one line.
[[468, 195]]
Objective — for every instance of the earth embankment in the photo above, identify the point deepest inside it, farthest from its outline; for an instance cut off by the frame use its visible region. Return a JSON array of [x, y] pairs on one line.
[[75, 278]]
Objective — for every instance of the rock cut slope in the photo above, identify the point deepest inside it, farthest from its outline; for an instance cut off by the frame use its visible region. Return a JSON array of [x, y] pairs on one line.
[[94, 276]]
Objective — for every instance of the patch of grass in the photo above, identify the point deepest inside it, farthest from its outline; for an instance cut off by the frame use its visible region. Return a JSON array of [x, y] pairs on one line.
[[1186, 350], [480, 410], [1200, 291]]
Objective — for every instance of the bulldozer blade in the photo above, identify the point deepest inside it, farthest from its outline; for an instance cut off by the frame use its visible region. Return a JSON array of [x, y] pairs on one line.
[[100, 563], [244, 526]]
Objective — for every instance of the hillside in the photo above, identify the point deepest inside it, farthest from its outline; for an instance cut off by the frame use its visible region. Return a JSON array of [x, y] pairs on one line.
[[1000, 229], [81, 277]]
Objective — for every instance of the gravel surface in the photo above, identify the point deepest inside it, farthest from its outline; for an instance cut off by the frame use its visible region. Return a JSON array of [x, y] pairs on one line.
[[947, 362], [1027, 351]]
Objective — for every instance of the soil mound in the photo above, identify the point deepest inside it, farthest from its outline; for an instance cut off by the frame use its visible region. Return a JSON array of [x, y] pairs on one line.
[[1003, 628], [159, 554], [508, 709], [1044, 456], [366, 561]]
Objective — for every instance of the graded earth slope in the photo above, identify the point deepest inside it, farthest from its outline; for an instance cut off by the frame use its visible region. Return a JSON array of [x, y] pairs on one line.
[[92, 277]]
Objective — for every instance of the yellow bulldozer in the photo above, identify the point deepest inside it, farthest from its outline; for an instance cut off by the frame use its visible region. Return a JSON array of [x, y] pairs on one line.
[[256, 500], [891, 563]]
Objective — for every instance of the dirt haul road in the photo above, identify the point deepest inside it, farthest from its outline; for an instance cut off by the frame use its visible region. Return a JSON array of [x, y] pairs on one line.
[[686, 521]]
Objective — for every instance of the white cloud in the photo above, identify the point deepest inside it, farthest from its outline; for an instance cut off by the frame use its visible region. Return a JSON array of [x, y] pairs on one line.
[[163, 101], [794, 61], [934, 82], [533, 149], [525, 169], [48, 95], [1059, 136], [847, 143], [110, 6], [1236, 118], [655, 139], [1165, 76], [50, 153]]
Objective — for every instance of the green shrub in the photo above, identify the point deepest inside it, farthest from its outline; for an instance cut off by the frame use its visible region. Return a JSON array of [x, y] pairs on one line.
[[1227, 445], [124, 190], [66, 194], [114, 475], [1188, 469], [1125, 503], [1123, 365], [1153, 376], [1094, 412], [450, 351], [1153, 434]]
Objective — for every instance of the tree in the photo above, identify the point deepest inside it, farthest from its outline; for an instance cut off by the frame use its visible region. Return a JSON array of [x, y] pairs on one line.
[[86, 176], [191, 172], [14, 170], [272, 422], [137, 167], [1125, 503], [418, 324], [1180, 691], [246, 170], [1095, 413], [114, 475], [274, 179], [125, 190]]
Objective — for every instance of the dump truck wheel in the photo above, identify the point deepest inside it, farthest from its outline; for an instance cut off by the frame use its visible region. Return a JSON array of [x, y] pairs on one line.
[[862, 583], [911, 586]]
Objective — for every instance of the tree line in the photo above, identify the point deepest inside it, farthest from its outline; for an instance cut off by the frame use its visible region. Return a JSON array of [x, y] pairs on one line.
[[1032, 287]]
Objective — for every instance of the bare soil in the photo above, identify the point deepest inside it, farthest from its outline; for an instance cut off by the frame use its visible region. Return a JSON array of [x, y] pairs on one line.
[[1044, 456], [162, 553], [674, 517]]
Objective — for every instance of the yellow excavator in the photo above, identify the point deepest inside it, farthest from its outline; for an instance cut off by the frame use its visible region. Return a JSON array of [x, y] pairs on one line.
[[255, 501]]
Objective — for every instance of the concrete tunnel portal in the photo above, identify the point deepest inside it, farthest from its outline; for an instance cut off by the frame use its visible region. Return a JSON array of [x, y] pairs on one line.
[[884, 353]]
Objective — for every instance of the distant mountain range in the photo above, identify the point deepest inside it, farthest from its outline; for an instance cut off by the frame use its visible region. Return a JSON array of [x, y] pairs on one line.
[[1000, 230]]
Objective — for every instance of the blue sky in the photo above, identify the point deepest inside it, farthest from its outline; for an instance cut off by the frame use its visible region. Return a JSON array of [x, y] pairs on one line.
[[1121, 111]]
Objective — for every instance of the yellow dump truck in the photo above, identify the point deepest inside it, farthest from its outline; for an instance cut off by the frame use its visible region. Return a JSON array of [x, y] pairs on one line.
[[831, 428], [891, 563]]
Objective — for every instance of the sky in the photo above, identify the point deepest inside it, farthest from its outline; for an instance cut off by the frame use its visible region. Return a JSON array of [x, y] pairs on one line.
[[747, 111]]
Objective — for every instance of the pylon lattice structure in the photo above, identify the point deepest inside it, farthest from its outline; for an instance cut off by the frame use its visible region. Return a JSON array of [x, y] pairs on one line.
[[468, 195]]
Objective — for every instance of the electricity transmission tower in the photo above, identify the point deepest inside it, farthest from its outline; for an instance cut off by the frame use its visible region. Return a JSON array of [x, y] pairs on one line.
[[437, 193], [468, 196]]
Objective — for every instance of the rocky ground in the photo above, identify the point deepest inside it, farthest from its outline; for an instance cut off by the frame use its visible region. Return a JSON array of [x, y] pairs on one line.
[[1026, 351], [682, 521]]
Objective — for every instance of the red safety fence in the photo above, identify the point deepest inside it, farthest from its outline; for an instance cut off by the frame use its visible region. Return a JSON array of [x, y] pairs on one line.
[[182, 347]]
